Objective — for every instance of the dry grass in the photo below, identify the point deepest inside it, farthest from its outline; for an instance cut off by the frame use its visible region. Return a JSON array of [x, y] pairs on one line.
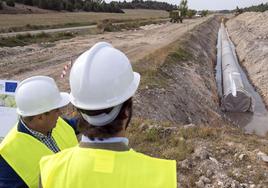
[[151, 66], [166, 139], [22, 40], [21, 20], [106, 25]]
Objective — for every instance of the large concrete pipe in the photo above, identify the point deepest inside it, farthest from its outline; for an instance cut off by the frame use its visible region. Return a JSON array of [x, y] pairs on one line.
[[235, 97]]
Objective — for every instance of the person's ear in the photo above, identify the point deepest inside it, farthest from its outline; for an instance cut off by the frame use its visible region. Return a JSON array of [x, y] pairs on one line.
[[126, 113]]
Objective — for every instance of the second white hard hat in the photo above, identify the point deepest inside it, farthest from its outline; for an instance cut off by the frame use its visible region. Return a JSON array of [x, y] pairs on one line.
[[102, 77], [39, 94]]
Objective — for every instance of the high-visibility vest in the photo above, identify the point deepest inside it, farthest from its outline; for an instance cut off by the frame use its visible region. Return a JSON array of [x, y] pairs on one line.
[[85, 167], [23, 152]]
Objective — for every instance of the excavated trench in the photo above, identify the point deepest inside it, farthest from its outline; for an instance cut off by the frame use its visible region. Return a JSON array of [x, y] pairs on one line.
[[183, 89], [255, 121]]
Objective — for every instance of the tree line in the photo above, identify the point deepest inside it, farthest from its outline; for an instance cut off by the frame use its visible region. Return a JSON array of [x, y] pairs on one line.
[[69, 5], [91, 5], [141, 4], [258, 8]]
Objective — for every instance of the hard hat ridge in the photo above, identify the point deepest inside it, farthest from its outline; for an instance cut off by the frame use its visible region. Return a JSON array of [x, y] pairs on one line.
[[39, 94], [102, 77]]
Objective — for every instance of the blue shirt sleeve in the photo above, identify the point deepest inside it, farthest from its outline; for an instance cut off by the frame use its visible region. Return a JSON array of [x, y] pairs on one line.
[[73, 123], [8, 177]]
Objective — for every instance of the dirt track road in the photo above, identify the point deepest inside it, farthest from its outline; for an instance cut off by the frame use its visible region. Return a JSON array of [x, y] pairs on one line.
[[12, 34], [49, 59]]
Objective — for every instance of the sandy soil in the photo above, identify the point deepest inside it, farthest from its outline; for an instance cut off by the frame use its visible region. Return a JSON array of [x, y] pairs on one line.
[[249, 32], [49, 59]]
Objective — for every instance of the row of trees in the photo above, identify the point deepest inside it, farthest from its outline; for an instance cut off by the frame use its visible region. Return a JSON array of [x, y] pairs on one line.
[[70, 5], [101, 6], [259, 8], [146, 5], [93, 5]]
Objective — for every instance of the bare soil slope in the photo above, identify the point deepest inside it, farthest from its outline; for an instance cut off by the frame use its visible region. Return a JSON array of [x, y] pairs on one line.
[[185, 89]]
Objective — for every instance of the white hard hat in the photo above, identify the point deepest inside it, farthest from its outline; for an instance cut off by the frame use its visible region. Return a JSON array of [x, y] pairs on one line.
[[102, 77], [39, 94]]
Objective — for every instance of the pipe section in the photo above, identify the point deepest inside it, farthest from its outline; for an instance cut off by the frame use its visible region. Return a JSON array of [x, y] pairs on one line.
[[235, 97]]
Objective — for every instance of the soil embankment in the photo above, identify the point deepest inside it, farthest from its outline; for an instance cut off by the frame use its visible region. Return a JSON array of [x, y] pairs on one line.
[[185, 90]]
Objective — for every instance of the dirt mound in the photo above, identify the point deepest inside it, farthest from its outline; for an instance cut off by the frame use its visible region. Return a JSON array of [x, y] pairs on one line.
[[182, 88], [249, 32], [22, 9]]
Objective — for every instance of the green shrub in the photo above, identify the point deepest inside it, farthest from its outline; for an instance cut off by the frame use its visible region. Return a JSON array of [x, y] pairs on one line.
[[107, 25], [10, 3]]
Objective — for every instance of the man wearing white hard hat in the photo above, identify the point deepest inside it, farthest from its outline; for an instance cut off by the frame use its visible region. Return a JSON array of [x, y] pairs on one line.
[[102, 84], [39, 132]]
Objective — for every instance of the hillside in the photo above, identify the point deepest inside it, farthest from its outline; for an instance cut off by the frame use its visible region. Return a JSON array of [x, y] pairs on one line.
[[23, 9]]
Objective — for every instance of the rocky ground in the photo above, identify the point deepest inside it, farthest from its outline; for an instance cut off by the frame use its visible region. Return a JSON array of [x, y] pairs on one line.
[[220, 156]]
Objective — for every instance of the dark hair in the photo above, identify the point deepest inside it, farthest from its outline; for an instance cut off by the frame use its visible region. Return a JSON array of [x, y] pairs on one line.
[[108, 130]]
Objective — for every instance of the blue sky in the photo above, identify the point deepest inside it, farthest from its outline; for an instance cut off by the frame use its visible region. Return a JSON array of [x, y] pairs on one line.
[[214, 4]]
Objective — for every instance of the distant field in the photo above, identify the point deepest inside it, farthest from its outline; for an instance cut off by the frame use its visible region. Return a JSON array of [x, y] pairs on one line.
[[21, 20]]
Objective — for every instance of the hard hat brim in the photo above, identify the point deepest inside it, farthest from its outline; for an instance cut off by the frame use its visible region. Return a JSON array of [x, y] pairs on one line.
[[65, 100]]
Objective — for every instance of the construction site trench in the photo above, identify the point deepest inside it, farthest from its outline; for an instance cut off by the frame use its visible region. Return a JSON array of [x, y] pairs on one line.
[[183, 89], [178, 109], [254, 118], [177, 112], [178, 76]]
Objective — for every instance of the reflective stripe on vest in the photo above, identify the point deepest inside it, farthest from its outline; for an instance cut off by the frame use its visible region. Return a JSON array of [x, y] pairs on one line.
[[23, 152], [84, 167]]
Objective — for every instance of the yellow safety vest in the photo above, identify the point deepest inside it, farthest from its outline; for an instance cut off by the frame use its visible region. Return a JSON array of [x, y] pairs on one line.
[[23, 152], [97, 168]]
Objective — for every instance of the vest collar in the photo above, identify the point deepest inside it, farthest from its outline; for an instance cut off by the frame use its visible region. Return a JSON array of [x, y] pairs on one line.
[[106, 140], [119, 146], [114, 144]]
